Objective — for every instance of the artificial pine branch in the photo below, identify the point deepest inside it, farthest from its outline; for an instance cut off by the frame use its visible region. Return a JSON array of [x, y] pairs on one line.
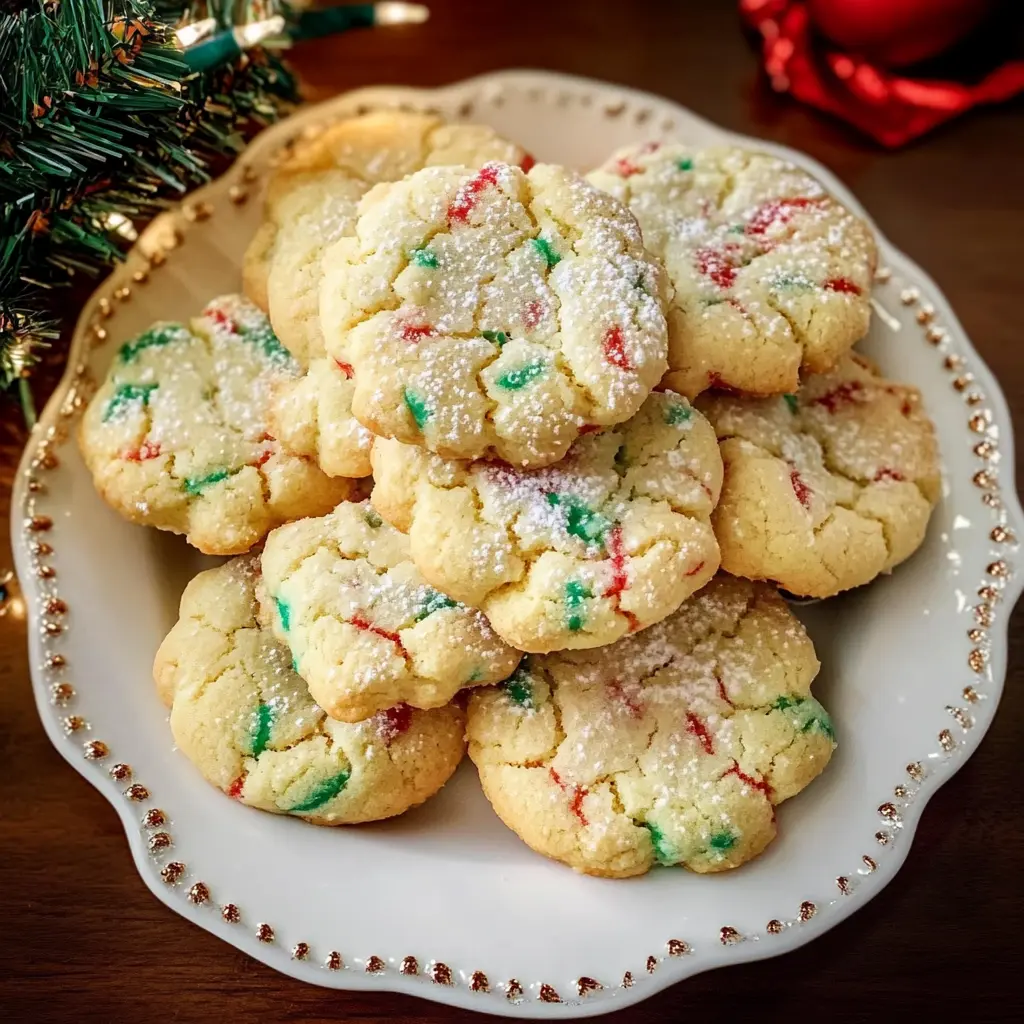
[[99, 114]]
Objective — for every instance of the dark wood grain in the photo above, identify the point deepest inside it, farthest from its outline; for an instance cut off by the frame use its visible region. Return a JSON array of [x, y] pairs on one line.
[[83, 939]]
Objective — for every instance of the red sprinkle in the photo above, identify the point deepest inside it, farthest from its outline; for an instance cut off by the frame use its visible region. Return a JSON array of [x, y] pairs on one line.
[[627, 699], [620, 577], [412, 332], [219, 317], [346, 368], [722, 692], [700, 730], [634, 622], [533, 312], [614, 346], [235, 789], [625, 168], [361, 622], [394, 721], [527, 163], [847, 393], [760, 785], [590, 428], [715, 265], [267, 452], [146, 450], [888, 474], [800, 489], [697, 568], [778, 211], [469, 193], [841, 284], [577, 793]]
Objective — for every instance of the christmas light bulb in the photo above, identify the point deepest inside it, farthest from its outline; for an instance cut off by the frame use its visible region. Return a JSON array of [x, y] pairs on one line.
[[395, 12], [189, 35]]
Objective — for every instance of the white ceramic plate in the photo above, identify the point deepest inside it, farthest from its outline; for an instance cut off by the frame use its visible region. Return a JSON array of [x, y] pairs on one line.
[[445, 902]]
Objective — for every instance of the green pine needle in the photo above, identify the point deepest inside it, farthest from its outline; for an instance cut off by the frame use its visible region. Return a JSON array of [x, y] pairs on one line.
[[99, 113]]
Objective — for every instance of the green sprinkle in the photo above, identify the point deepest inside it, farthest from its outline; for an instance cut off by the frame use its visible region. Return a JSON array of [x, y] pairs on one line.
[[519, 689], [372, 519], [738, 229], [686, 164], [723, 841], [261, 729], [195, 485], [678, 413], [424, 258], [499, 338], [125, 396], [791, 401], [418, 408], [476, 675], [516, 380], [321, 793], [581, 521], [262, 335], [434, 602], [640, 284], [547, 250], [797, 281], [284, 613], [809, 714], [662, 850], [155, 337], [576, 593]]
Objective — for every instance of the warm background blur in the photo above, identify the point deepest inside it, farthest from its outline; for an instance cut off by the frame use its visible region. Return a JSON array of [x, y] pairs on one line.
[[84, 940]]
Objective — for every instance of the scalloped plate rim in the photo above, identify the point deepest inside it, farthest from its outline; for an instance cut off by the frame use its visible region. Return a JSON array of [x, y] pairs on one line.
[[671, 971]]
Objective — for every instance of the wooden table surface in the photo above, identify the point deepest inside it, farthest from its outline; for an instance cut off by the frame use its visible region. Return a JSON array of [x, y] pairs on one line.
[[84, 940]]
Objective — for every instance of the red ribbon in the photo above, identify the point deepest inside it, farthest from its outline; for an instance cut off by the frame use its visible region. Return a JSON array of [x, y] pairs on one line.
[[889, 107]]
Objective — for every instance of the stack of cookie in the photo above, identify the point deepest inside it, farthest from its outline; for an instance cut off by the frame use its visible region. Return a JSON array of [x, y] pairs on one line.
[[579, 399]]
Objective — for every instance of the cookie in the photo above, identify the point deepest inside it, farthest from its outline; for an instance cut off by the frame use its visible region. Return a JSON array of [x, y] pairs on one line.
[[243, 717], [673, 746], [608, 541], [313, 194], [772, 274], [494, 313], [312, 417], [364, 628], [177, 435], [827, 488]]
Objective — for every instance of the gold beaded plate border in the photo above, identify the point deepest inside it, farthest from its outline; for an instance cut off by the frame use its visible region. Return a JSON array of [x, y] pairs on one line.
[[444, 902]]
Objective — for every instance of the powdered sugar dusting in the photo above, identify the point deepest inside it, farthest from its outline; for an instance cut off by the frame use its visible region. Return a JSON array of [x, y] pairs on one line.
[[474, 309]]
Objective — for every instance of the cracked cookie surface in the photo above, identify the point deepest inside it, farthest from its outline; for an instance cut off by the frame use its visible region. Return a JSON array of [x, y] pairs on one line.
[[574, 555], [177, 435], [365, 629], [312, 417], [313, 195], [494, 313], [672, 746], [827, 488], [246, 720], [772, 274]]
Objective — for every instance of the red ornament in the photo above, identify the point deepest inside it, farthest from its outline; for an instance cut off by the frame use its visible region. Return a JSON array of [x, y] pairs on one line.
[[856, 85], [894, 33]]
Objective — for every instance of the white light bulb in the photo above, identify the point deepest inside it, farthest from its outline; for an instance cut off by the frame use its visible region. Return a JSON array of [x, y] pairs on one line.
[[395, 12]]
